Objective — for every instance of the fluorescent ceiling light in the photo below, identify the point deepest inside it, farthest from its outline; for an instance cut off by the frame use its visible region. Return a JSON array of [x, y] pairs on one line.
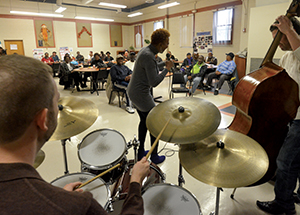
[[135, 14], [112, 5], [60, 9], [86, 1], [169, 5], [94, 19], [37, 14]]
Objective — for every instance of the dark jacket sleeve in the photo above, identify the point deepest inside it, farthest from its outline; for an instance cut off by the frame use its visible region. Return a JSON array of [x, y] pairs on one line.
[[114, 74], [133, 204]]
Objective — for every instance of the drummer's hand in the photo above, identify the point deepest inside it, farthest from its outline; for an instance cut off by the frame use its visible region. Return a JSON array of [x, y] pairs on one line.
[[140, 170], [284, 25], [71, 186]]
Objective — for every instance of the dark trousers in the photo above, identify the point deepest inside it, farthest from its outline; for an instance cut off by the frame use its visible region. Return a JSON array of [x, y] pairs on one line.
[[75, 76], [221, 77], [143, 131]]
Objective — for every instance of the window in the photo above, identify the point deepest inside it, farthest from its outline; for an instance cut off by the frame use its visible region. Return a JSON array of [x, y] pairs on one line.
[[186, 31], [223, 27], [158, 25]]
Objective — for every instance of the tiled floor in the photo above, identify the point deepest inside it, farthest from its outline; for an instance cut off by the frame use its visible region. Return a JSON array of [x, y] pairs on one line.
[[113, 117]]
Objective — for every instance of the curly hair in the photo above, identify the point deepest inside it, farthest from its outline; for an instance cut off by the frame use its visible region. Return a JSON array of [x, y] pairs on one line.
[[159, 36]]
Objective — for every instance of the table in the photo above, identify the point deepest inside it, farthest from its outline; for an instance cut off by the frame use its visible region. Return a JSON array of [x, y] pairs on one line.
[[93, 79]]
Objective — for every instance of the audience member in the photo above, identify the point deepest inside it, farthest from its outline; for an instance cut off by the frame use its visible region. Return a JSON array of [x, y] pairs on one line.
[[108, 57], [195, 57], [97, 62], [121, 74], [126, 56], [224, 72], [210, 59], [48, 60], [195, 74], [102, 55], [68, 75], [79, 57], [130, 63], [25, 126], [90, 57], [55, 57], [187, 63], [160, 62]]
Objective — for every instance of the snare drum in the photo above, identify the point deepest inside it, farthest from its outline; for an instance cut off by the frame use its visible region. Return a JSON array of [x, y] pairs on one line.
[[121, 188], [169, 199], [101, 150], [98, 188]]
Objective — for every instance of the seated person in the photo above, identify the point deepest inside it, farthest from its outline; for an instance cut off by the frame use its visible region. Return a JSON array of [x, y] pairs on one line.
[[102, 55], [188, 61], [48, 60], [195, 74], [90, 56], [79, 58], [121, 74], [55, 57], [97, 62], [23, 132], [130, 63], [67, 75], [108, 57], [211, 60], [224, 72], [126, 56], [195, 57]]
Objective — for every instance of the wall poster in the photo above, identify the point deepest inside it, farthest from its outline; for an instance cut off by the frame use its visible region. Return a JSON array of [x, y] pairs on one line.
[[84, 34], [203, 42], [44, 33]]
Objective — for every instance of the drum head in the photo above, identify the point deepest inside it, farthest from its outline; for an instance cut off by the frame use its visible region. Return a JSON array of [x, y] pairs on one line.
[[102, 147], [98, 188], [166, 199]]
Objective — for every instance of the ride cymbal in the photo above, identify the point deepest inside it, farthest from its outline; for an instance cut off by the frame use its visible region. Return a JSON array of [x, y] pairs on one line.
[[226, 159], [40, 157], [192, 119], [75, 116]]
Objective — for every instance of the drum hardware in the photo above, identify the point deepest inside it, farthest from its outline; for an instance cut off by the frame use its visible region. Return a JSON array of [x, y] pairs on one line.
[[135, 143], [63, 143], [193, 119], [180, 176]]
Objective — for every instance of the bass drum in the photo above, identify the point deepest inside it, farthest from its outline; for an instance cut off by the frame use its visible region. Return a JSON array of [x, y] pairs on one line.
[[98, 188], [165, 199], [121, 187], [101, 150]]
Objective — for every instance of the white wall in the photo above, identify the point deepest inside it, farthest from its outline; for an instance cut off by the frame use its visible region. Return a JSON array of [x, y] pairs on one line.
[[260, 37]]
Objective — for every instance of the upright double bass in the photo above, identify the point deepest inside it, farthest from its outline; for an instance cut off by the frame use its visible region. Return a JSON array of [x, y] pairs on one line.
[[266, 101]]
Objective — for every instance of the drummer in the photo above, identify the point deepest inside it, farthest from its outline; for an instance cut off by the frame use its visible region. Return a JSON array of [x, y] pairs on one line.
[[28, 111]]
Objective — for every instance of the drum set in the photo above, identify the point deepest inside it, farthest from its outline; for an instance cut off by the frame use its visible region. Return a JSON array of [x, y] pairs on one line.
[[218, 157]]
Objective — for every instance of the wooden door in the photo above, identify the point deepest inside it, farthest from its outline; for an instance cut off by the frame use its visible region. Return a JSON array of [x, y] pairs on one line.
[[14, 46]]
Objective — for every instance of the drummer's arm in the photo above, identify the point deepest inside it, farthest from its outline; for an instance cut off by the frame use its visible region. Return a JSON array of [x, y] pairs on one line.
[[133, 204]]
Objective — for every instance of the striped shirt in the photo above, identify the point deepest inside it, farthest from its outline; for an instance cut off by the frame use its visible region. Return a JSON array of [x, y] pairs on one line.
[[226, 67]]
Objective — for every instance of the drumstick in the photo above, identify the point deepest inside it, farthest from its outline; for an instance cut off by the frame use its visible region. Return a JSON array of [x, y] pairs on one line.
[[98, 176], [156, 141]]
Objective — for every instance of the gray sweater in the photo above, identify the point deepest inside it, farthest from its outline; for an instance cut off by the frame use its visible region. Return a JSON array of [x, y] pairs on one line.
[[145, 75]]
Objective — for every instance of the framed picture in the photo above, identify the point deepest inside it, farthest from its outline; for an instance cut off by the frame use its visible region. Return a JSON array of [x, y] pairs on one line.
[[44, 33], [115, 32], [84, 34]]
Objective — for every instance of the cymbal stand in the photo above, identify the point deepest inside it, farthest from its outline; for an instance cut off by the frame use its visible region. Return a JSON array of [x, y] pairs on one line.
[[232, 194], [216, 212], [63, 142], [180, 176]]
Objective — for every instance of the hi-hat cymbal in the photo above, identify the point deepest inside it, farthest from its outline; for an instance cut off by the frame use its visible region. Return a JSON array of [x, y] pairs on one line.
[[240, 163], [192, 119], [40, 157], [75, 115]]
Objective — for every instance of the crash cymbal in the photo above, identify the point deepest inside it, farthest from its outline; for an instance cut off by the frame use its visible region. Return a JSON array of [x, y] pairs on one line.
[[240, 163], [192, 119], [40, 157], [75, 115]]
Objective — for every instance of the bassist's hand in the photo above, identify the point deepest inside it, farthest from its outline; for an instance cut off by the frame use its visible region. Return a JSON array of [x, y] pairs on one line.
[[284, 25]]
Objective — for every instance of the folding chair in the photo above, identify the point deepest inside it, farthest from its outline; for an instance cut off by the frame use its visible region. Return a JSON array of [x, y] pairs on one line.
[[178, 79]]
